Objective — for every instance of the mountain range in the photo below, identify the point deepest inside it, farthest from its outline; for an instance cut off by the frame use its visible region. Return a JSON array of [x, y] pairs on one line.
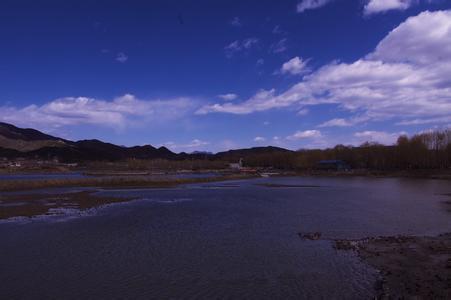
[[30, 143]]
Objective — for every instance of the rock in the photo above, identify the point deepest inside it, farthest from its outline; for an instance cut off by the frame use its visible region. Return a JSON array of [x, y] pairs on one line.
[[312, 236]]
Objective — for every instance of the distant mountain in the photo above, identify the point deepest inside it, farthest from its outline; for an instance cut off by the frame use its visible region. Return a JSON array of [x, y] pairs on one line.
[[25, 140], [18, 142], [30, 143], [12, 132]]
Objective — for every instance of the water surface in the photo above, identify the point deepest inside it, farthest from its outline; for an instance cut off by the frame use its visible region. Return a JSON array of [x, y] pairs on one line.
[[234, 239]]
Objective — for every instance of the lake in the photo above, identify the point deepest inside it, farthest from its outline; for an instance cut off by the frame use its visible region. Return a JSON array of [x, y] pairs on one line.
[[234, 239]]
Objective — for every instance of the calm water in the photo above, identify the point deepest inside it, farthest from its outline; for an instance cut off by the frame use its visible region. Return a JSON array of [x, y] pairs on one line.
[[223, 240]]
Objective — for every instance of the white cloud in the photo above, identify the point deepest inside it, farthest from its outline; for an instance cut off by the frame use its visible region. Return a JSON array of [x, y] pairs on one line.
[[381, 137], [260, 62], [336, 123], [340, 122], [378, 6], [303, 112], [240, 45], [193, 145], [118, 113], [311, 4], [249, 43], [422, 40], [294, 66], [307, 134], [236, 22], [259, 139], [121, 57], [444, 119], [279, 47], [261, 101], [228, 97], [266, 123], [407, 77]]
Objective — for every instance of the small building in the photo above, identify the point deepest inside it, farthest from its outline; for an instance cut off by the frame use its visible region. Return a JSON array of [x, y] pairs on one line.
[[332, 165], [237, 166]]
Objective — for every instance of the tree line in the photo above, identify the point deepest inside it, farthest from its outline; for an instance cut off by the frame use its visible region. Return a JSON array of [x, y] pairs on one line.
[[427, 150]]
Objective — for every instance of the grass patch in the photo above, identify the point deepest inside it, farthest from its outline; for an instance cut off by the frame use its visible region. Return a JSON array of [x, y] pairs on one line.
[[30, 205], [110, 182]]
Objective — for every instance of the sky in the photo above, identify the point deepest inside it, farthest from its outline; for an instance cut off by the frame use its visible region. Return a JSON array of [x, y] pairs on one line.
[[214, 75]]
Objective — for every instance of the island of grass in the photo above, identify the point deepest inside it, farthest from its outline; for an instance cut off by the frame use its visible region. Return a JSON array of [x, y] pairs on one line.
[[34, 203]]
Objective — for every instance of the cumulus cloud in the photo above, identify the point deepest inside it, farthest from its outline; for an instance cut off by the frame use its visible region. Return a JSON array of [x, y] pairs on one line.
[[378, 6], [294, 66], [121, 57], [228, 97], [311, 4], [259, 102], [307, 134], [381, 137], [118, 113], [259, 139], [193, 145], [407, 77], [240, 45], [303, 112], [338, 122]]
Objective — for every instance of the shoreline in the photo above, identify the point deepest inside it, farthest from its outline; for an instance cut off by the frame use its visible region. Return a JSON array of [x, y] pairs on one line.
[[32, 203], [111, 182], [413, 267]]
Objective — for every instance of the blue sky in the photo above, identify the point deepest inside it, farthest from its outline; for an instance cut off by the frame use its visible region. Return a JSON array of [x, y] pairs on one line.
[[214, 75]]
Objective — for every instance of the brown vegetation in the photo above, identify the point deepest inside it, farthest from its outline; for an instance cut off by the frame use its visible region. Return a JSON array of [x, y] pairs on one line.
[[28, 205], [110, 182]]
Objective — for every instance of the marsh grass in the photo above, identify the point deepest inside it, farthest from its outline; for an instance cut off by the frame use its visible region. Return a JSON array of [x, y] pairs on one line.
[[110, 182]]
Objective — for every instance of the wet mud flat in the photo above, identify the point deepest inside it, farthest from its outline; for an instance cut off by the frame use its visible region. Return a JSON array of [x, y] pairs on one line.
[[36, 204], [410, 267]]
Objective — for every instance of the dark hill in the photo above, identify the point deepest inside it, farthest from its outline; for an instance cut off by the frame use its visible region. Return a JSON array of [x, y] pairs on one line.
[[30, 143], [27, 134]]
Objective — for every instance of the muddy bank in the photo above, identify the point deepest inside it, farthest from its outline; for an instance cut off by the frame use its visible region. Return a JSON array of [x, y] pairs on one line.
[[112, 182], [411, 267], [29, 205]]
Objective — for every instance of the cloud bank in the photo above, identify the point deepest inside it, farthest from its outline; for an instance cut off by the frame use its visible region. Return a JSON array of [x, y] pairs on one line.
[[407, 77], [119, 113]]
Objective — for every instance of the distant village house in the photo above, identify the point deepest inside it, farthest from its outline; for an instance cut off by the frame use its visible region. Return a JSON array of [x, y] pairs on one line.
[[333, 165]]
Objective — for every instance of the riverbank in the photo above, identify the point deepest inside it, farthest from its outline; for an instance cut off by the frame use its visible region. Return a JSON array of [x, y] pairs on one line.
[[410, 267], [112, 182]]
